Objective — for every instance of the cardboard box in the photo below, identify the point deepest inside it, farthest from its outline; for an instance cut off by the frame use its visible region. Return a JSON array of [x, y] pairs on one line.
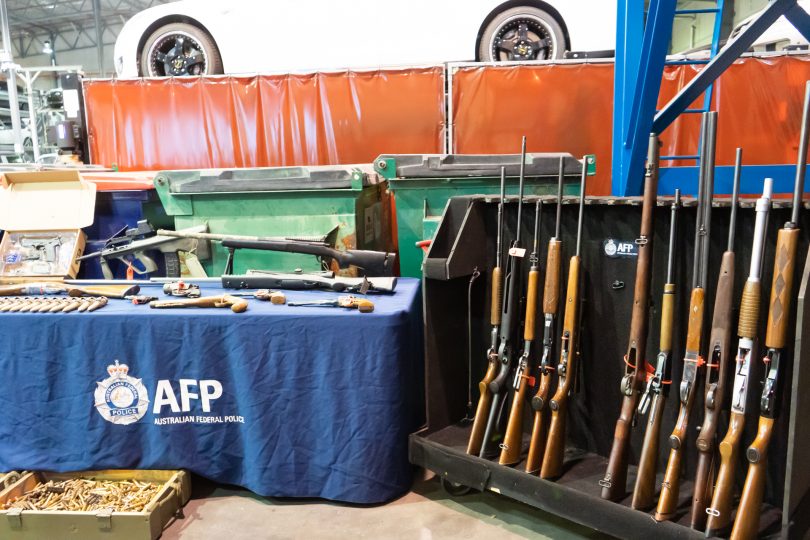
[[100, 525], [47, 209]]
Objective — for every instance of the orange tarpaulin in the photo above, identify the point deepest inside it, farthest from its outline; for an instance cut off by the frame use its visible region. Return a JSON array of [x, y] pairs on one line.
[[261, 121], [569, 108], [352, 117]]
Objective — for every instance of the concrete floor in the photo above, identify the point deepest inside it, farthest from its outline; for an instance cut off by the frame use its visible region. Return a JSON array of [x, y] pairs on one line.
[[426, 513]]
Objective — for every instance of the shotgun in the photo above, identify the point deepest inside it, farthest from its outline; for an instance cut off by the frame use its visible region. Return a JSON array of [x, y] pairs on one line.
[[513, 440], [496, 299], [569, 353], [746, 525], [716, 367], [657, 389], [551, 302], [720, 510], [692, 362], [614, 482], [509, 316]]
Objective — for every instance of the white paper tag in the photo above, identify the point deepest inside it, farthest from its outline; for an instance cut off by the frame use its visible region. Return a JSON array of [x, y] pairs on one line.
[[517, 252]]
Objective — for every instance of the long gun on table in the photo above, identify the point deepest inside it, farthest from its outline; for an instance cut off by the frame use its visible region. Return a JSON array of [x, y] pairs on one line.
[[484, 402], [746, 525], [373, 263], [657, 389], [569, 353], [303, 282], [551, 302], [614, 483], [719, 350], [509, 316], [513, 438], [47, 288], [719, 512], [130, 252], [692, 362]]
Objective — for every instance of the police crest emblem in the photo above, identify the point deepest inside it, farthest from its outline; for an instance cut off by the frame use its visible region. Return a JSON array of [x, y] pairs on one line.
[[121, 398]]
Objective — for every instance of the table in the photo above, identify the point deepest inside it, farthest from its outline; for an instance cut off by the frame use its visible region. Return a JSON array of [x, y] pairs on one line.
[[284, 401]]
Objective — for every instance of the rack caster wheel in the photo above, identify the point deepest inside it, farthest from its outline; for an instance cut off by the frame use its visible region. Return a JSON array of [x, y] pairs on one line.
[[453, 489]]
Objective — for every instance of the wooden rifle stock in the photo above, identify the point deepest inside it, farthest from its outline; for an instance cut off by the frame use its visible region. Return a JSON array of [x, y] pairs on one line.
[[551, 287], [644, 491], [719, 517], [513, 438], [555, 446], [716, 376], [746, 524], [237, 305], [670, 488], [551, 301], [484, 402]]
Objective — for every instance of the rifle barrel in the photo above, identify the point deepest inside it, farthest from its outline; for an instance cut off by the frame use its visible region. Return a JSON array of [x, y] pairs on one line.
[[735, 198], [560, 180], [673, 226], [520, 189], [581, 203], [801, 165], [500, 219]]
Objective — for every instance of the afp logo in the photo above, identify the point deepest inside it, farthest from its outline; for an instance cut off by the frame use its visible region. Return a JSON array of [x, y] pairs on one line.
[[618, 248], [121, 398]]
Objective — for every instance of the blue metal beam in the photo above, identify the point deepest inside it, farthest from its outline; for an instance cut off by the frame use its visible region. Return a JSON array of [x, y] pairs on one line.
[[686, 179], [799, 18], [629, 33], [721, 62], [641, 102]]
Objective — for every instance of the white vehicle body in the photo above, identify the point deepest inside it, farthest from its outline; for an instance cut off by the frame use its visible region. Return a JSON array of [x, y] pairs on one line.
[[307, 35], [780, 35]]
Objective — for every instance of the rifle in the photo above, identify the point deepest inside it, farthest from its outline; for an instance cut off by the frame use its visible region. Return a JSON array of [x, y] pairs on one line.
[[28, 289], [692, 362], [614, 482], [716, 367], [513, 438], [484, 402], [746, 525], [508, 322], [657, 389], [569, 352], [720, 510], [374, 263], [128, 250], [551, 301], [256, 279]]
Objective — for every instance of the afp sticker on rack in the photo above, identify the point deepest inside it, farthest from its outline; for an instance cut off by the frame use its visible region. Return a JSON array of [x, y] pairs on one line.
[[616, 249], [123, 399]]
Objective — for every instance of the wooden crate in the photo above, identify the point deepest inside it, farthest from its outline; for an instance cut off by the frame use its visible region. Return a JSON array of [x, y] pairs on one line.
[[18, 524]]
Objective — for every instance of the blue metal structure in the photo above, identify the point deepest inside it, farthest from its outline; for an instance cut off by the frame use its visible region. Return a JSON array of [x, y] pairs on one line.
[[641, 51]]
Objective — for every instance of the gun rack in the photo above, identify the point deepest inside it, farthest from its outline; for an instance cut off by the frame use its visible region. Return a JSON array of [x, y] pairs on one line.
[[465, 241]]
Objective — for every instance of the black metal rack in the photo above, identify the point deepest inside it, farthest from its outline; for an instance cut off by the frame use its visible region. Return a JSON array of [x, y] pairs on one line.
[[465, 241]]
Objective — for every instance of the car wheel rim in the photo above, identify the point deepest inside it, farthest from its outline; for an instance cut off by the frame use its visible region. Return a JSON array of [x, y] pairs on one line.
[[523, 38], [176, 54]]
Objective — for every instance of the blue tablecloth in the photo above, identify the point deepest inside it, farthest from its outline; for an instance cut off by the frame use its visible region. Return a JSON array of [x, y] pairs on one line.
[[285, 401]]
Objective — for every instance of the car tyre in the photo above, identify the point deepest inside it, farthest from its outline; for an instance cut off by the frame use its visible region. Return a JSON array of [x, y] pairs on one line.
[[522, 33], [180, 49]]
